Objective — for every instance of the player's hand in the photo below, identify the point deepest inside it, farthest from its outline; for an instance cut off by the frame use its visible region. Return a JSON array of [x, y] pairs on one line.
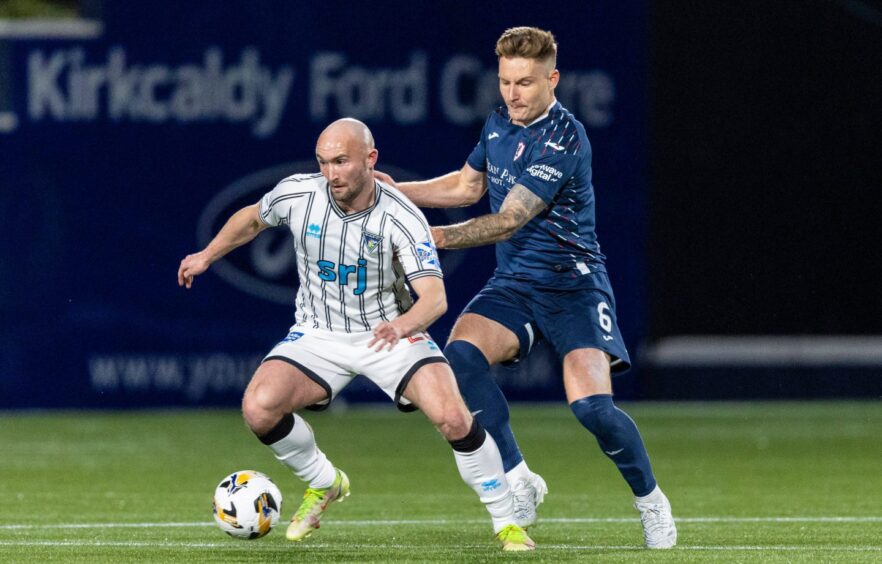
[[386, 334], [192, 266], [383, 177], [438, 237]]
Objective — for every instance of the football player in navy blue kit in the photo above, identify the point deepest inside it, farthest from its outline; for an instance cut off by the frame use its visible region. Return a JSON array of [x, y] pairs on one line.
[[550, 281]]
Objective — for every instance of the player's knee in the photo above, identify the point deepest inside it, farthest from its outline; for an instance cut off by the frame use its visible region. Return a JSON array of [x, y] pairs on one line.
[[254, 416], [455, 422], [594, 412], [465, 358], [259, 410]]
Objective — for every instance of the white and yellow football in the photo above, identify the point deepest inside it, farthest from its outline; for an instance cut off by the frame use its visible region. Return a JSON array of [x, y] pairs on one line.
[[247, 504]]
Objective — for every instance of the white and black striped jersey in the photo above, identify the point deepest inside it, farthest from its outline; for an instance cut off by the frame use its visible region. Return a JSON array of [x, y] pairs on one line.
[[352, 268]]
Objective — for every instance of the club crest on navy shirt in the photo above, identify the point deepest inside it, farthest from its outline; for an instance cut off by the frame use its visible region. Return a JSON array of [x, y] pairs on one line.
[[519, 151]]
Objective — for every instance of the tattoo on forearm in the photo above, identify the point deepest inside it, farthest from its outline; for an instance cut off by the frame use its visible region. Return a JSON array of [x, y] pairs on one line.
[[520, 206], [474, 232]]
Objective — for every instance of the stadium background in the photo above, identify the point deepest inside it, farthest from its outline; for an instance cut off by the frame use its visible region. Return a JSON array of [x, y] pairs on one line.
[[736, 159]]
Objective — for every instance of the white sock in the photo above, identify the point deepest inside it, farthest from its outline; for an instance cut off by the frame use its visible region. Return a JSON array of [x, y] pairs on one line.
[[655, 496], [519, 472], [482, 471], [299, 452]]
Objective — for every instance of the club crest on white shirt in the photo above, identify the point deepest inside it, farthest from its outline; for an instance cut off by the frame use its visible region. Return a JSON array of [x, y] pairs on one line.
[[371, 242]]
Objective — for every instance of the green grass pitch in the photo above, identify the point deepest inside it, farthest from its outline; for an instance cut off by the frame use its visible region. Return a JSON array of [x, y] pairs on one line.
[[749, 482]]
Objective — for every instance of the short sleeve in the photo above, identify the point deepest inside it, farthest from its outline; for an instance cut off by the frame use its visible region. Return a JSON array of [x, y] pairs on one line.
[[478, 158], [414, 248], [268, 208], [546, 175]]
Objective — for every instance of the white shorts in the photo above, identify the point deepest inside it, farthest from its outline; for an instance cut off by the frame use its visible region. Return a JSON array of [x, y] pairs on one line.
[[332, 360]]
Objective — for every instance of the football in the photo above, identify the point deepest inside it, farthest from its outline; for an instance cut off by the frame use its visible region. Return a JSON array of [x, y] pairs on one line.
[[247, 504]]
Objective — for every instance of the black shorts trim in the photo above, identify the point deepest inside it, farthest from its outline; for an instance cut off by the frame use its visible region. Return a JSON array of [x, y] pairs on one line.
[[311, 375], [406, 380], [618, 365]]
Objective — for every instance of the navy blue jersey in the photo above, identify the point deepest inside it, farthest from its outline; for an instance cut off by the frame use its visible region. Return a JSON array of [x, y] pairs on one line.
[[552, 159]]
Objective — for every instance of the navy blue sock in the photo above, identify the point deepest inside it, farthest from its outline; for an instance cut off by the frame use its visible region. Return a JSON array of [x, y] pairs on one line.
[[619, 439], [482, 394]]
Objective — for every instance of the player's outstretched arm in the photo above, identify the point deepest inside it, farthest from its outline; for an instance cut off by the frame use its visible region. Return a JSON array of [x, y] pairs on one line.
[[519, 206], [242, 227], [431, 304], [453, 190]]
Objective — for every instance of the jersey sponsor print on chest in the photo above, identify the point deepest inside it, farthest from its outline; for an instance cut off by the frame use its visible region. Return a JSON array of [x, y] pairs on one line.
[[343, 271]]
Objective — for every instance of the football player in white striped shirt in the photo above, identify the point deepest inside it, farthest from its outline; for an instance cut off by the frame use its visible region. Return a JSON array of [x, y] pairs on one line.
[[359, 244]]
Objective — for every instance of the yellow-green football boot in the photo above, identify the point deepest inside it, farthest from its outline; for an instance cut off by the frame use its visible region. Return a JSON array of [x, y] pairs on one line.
[[515, 539], [315, 501]]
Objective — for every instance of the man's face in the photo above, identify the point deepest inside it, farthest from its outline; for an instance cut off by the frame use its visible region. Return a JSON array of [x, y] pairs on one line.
[[527, 86], [346, 164]]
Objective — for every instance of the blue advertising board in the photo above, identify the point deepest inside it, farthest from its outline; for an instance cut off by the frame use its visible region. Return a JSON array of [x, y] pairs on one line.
[[126, 145]]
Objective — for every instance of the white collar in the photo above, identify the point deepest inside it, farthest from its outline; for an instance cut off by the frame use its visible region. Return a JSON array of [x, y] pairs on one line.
[[545, 115]]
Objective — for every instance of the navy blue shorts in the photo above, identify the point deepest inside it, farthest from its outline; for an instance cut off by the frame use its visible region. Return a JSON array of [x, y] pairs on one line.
[[578, 316]]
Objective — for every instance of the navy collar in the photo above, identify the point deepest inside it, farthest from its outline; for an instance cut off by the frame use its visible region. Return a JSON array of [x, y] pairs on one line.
[[503, 111]]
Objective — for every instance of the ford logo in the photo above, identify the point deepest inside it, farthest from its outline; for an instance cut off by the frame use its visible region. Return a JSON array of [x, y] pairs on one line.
[[266, 268]]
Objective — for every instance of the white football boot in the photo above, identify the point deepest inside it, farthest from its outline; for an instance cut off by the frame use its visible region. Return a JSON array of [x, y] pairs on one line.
[[528, 492], [659, 530]]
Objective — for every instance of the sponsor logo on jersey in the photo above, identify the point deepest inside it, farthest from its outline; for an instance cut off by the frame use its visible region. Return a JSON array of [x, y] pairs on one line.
[[329, 271], [500, 177], [415, 338], [493, 135], [371, 242], [427, 254], [545, 172], [554, 146], [314, 230], [519, 151]]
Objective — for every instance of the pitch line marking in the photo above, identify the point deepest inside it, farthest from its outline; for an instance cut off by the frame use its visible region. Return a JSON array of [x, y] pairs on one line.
[[251, 548], [393, 522]]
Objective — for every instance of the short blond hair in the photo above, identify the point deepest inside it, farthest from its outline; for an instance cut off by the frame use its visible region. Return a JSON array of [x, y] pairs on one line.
[[528, 43]]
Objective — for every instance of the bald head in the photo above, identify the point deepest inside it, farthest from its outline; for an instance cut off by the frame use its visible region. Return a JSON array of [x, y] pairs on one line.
[[348, 130], [346, 155]]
